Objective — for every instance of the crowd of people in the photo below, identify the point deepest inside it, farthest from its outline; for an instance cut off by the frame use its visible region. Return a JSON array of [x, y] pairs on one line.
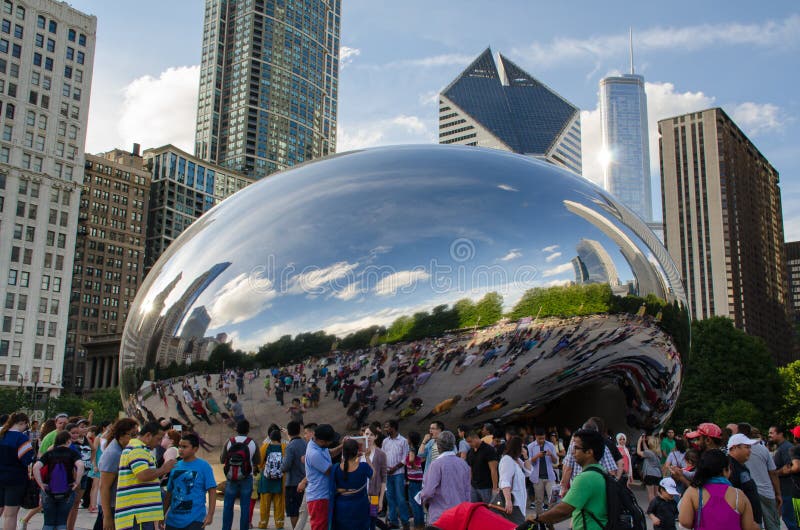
[[137, 475]]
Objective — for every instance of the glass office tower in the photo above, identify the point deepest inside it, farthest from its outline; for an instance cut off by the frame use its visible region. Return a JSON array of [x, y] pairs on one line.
[[268, 83], [623, 116]]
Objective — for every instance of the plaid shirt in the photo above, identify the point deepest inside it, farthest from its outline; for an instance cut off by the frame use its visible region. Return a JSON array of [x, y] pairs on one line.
[[607, 462]]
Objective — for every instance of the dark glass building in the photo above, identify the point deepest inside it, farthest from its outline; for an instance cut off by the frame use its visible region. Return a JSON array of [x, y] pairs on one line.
[[497, 104], [268, 83]]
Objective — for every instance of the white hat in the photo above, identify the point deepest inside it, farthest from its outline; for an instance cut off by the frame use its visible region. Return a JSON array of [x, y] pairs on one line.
[[740, 439], [669, 485]]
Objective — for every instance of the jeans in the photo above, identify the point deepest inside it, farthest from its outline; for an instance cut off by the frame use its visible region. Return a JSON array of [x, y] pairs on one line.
[[542, 491], [480, 495], [396, 497], [769, 508], [237, 489], [787, 513], [56, 510], [414, 486]]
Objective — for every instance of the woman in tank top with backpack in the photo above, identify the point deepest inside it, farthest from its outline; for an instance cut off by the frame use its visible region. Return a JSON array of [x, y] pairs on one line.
[[712, 503]]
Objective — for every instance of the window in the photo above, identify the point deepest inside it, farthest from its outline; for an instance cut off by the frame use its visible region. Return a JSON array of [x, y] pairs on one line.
[[22, 302], [45, 101], [15, 252], [16, 351], [27, 256], [12, 277], [24, 278], [70, 53], [45, 282], [78, 75], [80, 57], [46, 374], [17, 31], [51, 329], [54, 306], [33, 97], [49, 357], [40, 22], [16, 51], [9, 300], [19, 325], [3, 352], [39, 143], [43, 122], [52, 27], [76, 94], [20, 12], [48, 64], [68, 72], [17, 231], [65, 90], [34, 189], [7, 324], [56, 284], [64, 218], [37, 350], [51, 237], [51, 45], [4, 45], [40, 328], [62, 128], [62, 241], [10, 113], [59, 262], [46, 80], [30, 119], [43, 305], [5, 27], [38, 41], [71, 35], [30, 233], [37, 59], [7, 132], [81, 40], [32, 210]]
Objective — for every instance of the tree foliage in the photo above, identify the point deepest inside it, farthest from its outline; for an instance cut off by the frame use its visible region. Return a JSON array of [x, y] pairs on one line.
[[728, 376], [563, 301], [790, 380]]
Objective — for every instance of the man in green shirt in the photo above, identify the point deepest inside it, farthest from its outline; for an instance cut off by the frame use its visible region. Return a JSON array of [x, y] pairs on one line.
[[47, 442], [585, 501], [667, 445]]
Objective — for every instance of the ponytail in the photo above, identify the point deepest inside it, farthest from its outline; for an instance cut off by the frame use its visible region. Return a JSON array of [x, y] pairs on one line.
[[12, 420]]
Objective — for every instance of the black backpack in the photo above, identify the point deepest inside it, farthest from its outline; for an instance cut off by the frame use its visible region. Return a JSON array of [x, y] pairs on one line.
[[237, 465], [624, 512]]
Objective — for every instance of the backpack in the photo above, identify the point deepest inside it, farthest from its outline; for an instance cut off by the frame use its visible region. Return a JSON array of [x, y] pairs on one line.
[[57, 474], [237, 465], [624, 512], [272, 467]]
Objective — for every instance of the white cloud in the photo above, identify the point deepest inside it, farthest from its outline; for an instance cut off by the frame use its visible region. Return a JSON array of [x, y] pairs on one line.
[[663, 101], [784, 33], [514, 253], [558, 269], [161, 110], [551, 248], [431, 97], [552, 257], [757, 118], [447, 59], [400, 129], [348, 293], [400, 281], [506, 187], [315, 280], [241, 299], [347, 55]]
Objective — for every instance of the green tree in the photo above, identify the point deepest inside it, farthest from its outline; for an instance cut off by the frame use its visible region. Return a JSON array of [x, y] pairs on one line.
[[489, 309], [728, 375], [790, 379], [13, 399], [467, 316], [105, 403]]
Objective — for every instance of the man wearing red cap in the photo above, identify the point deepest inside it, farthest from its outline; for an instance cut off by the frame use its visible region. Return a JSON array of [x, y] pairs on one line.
[[706, 436]]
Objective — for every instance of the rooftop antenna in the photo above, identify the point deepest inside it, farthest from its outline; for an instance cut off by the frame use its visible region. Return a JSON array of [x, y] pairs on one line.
[[630, 42]]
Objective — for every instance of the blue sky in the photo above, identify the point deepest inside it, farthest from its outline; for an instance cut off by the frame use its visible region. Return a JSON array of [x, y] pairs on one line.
[[398, 55]]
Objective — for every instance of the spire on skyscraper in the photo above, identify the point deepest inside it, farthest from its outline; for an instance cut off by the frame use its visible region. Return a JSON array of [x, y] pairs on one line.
[[630, 44]]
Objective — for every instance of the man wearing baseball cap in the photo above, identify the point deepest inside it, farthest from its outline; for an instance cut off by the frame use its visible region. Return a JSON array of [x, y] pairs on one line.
[[739, 448], [706, 436]]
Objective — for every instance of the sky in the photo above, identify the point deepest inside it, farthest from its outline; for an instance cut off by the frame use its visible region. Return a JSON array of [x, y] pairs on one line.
[[397, 56]]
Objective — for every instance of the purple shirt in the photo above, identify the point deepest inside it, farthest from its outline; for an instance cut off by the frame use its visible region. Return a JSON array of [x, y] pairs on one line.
[[446, 484]]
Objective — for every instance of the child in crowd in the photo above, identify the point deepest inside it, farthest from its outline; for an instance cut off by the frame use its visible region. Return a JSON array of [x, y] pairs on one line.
[[663, 510]]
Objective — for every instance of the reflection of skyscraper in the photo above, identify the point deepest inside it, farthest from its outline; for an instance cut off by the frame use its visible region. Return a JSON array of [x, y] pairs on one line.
[[197, 324], [597, 265], [499, 105], [269, 80], [723, 225], [623, 119]]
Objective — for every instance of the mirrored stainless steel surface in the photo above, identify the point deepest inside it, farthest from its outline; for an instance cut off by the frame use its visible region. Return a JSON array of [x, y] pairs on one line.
[[589, 314]]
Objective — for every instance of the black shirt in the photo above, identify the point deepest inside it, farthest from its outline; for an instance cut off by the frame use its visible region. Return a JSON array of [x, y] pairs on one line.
[[740, 478], [62, 454], [666, 511], [479, 463]]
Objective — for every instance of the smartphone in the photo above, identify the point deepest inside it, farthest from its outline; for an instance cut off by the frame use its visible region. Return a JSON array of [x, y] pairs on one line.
[[362, 443], [178, 428]]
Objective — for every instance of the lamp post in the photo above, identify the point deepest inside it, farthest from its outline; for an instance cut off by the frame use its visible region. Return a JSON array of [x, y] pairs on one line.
[[35, 381]]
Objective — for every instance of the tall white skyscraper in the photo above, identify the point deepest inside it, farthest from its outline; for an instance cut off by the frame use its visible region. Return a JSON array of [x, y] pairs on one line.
[[46, 58], [626, 147]]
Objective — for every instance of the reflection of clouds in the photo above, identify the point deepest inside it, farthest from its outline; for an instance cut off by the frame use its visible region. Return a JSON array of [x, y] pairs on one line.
[[241, 299], [314, 280], [551, 248], [556, 283], [348, 293], [400, 281], [558, 269], [552, 257], [514, 253]]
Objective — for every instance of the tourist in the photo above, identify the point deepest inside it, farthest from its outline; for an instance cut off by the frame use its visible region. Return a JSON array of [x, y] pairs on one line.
[[763, 471], [482, 460], [430, 451], [446, 482], [350, 478], [512, 471], [117, 438], [706, 436], [585, 502], [81, 445], [377, 484], [663, 510], [61, 421], [58, 485], [667, 445], [648, 449], [240, 459], [293, 471], [414, 474], [318, 475], [627, 469], [270, 482], [783, 465], [138, 495], [396, 448], [739, 450], [724, 507], [190, 482], [542, 459], [16, 454]]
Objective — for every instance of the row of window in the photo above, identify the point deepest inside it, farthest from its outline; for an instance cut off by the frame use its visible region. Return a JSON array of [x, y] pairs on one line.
[[22, 278], [19, 302], [26, 254], [13, 372]]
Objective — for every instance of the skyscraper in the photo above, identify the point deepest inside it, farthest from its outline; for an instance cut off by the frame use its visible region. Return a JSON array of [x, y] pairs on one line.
[[723, 225], [46, 58], [269, 80], [626, 146], [109, 262], [499, 105], [793, 271]]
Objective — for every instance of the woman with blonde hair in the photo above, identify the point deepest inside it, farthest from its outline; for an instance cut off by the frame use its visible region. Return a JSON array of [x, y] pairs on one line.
[[649, 449]]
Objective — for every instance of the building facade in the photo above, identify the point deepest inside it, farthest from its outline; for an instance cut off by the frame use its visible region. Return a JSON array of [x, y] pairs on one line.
[[498, 105], [46, 58], [109, 260], [269, 81], [623, 123], [183, 188], [793, 274], [723, 225]]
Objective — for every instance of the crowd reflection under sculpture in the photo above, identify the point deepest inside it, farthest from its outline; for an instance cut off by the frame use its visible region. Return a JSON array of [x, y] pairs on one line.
[[364, 238]]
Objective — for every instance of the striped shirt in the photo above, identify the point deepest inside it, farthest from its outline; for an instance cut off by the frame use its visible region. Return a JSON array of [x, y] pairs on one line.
[[137, 502], [607, 462], [396, 450]]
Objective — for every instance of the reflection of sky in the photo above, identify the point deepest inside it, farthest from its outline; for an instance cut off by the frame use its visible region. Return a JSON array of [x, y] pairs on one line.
[[363, 238]]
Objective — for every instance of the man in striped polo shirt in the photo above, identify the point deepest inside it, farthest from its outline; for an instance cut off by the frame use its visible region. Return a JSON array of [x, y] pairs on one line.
[[139, 505]]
